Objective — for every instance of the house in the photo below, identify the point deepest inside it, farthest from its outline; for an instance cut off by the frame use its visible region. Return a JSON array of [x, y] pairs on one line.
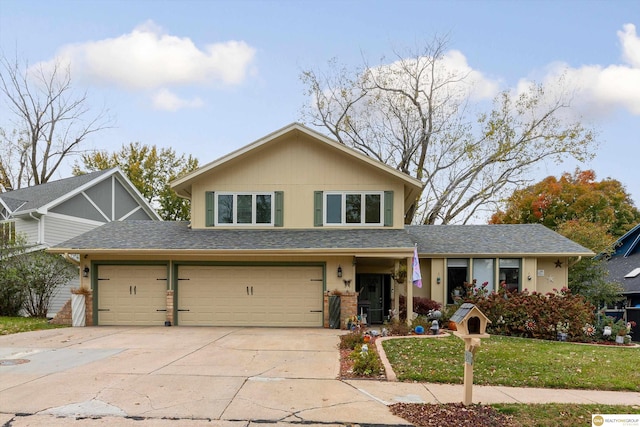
[[56, 211], [624, 268], [281, 224]]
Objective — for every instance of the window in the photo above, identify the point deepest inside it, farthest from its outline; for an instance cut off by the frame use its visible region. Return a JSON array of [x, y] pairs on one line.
[[244, 209], [457, 275], [347, 208], [509, 273], [484, 271]]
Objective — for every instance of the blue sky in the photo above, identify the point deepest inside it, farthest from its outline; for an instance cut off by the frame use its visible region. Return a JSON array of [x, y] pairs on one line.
[[218, 75]]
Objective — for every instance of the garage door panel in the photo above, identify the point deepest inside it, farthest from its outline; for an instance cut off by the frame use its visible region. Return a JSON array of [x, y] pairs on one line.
[[131, 295], [250, 296]]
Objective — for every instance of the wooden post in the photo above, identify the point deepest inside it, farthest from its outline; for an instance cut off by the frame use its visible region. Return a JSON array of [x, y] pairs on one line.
[[471, 345]]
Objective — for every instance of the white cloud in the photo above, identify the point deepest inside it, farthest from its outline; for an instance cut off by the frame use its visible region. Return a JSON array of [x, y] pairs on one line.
[[599, 90], [147, 59], [166, 100]]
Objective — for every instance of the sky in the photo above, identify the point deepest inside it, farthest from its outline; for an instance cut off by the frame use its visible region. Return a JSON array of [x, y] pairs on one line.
[[208, 77]]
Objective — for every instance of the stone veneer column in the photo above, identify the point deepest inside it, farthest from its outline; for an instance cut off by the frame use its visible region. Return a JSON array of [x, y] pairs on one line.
[[88, 312], [348, 307]]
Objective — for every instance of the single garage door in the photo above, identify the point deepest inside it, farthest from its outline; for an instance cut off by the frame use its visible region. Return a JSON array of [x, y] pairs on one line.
[[250, 296], [132, 295]]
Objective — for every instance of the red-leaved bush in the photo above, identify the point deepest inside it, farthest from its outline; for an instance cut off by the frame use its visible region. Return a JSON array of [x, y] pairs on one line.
[[535, 315]]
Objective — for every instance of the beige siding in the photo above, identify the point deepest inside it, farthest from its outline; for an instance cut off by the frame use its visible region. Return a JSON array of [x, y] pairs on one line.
[[298, 169], [552, 277]]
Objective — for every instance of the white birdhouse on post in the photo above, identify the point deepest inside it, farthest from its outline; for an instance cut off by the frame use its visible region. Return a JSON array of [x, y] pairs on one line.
[[471, 325]]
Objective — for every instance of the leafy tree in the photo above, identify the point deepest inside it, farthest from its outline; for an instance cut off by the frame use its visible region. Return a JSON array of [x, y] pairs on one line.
[[591, 213], [41, 274], [12, 293], [151, 170], [51, 122], [416, 115]]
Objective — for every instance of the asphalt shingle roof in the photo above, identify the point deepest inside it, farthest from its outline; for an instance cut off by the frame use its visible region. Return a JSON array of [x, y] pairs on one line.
[[492, 239], [166, 235], [432, 240], [621, 266], [30, 198]]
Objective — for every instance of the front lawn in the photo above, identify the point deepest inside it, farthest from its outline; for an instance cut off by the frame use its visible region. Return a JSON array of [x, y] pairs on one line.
[[517, 362], [14, 325]]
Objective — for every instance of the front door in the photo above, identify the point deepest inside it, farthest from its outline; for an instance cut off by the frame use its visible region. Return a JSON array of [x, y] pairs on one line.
[[371, 298]]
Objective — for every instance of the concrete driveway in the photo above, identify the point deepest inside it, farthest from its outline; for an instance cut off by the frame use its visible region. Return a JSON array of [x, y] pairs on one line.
[[197, 375]]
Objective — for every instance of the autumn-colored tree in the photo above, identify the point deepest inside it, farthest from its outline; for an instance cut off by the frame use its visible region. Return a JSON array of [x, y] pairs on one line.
[[151, 170], [574, 204], [592, 213]]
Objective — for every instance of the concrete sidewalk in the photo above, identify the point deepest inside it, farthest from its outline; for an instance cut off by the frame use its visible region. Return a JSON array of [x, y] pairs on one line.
[[213, 376]]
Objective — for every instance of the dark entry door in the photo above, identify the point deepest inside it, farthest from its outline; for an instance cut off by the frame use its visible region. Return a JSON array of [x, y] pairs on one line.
[[371, 296]]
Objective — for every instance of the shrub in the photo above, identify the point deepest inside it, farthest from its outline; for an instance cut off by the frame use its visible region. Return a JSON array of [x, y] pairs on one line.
[[351, 340], [421, 305], [536, 315], [365, 363], [398, 328]]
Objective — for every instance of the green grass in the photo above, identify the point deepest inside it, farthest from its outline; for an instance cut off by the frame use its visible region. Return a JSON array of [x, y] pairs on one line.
[[517, 362], [559, 415], [15, 325]]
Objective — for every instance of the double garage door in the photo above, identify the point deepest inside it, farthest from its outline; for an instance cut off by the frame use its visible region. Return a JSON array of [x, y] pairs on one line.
[[250, 296], [212, 295]]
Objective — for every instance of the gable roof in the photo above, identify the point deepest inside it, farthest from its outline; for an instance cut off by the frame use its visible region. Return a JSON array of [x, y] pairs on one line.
[[625, 259], [413, 187], [144, 237], [496, 239], [41, 198]]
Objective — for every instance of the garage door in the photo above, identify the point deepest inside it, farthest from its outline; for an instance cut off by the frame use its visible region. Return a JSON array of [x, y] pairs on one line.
[[250, 296], [132, 295]]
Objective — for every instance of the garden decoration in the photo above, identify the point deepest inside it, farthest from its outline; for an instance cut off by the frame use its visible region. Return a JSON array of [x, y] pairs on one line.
[[471, 325]]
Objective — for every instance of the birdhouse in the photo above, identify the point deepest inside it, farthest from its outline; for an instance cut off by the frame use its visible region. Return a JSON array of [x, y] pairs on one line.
[[470, 322]]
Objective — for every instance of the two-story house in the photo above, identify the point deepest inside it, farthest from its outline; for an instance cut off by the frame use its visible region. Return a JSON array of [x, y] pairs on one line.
[[48, 214], [282, 222]]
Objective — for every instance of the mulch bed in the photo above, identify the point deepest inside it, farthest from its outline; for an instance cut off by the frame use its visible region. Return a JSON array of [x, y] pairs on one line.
[[451, 415]]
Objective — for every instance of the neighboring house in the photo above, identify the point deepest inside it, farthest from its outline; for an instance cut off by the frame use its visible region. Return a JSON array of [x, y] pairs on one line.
[[280, 224], [624, 268], [56, 211]]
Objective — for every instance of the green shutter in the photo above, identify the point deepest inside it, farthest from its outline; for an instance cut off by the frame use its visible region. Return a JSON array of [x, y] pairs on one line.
[[388, 208], [317, 208], [210, 200], [278, 221]]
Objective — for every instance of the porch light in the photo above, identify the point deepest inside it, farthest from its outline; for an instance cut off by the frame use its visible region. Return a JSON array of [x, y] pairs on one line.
[[339, 271], [438, 280], [85, 271]]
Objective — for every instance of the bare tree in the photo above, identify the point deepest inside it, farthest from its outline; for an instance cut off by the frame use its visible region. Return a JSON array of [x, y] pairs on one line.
[[415, 114], [50, 122]]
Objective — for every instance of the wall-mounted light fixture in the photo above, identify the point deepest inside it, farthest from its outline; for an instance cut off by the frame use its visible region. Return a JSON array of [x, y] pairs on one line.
[[339, 271], [529, 277], [438, 280], [85, 271]]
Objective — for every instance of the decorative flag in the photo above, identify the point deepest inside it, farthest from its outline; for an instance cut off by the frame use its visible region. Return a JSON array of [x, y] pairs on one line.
[[417, 276]]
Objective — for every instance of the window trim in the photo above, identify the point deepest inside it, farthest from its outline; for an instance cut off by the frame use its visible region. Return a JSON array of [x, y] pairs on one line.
[[253, 195], [343, 220]]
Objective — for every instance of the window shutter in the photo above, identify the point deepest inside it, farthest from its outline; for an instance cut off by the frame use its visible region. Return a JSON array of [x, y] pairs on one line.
[[388, 208], [278, 221], [210, 200], [317, 208]]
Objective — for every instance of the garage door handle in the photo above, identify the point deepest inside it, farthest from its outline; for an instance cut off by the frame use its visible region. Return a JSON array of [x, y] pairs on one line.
[[247, 290], [160, 309], [104, 309], [315, 311], [182, 309]]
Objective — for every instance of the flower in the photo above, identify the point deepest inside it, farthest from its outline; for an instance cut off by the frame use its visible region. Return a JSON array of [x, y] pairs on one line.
[[530, 325], [589, 330]]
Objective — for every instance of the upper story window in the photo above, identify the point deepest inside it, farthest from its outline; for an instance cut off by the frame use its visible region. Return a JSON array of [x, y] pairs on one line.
[[244, 208], [353, 208]]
